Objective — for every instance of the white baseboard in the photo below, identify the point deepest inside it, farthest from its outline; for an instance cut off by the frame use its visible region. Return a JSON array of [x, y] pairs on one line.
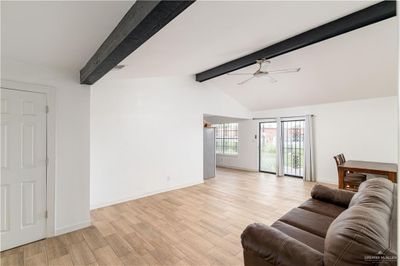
[[237, 168], [138, 196], [67, 229]]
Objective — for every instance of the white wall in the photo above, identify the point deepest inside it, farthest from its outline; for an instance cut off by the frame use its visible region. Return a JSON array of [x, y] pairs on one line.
[[362, 130], [72, 139], [147, 135], [246, 159]]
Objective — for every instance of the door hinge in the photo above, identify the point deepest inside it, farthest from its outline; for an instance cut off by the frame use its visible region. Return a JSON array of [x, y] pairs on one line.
[[47, 161], [47, 109], [46, 214]]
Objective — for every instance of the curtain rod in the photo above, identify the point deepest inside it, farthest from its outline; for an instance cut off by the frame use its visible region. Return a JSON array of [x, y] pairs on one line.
[[284, 117]]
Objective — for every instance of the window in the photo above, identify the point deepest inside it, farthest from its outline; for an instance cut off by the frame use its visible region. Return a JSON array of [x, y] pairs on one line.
[[226, 138]]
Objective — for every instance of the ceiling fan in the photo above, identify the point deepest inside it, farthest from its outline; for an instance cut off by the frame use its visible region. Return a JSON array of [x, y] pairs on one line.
[[265, 73]]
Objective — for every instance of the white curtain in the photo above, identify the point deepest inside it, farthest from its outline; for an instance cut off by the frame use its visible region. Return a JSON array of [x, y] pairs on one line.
[[279, 148], [309, 173]]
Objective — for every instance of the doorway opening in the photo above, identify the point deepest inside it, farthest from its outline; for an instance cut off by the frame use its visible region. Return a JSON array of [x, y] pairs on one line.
[[268, 147], [293, 147], [281, 147]]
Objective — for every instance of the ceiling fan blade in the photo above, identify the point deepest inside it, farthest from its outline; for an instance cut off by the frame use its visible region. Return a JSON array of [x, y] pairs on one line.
[[271, 79], [282, 71], [244, 81], [232, 74]]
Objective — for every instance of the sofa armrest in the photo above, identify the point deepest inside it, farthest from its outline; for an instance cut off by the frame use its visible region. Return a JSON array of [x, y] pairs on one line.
[[330, 195], [276, 248]]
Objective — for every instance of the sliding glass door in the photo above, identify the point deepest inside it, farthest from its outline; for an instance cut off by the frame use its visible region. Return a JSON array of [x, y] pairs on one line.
[[268, 136], [293, 147], [290, 142]]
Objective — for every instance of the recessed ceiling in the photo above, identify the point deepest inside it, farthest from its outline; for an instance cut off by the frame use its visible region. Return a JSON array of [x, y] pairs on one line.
[[63, 34]]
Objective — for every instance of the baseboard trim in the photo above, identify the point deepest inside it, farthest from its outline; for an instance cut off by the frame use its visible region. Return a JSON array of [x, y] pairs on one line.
[[67, 229], [237, 168], [113, 202]]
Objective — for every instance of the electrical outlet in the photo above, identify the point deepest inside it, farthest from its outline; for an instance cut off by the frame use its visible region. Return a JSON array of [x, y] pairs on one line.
[[168, 178]]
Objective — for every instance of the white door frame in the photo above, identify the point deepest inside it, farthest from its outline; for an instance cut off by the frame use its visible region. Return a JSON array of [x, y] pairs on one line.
[[50, 143]]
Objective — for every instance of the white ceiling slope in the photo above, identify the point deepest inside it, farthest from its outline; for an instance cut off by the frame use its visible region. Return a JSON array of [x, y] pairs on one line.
[[359, 64], [210, 33], [62, 34], [356, 65]]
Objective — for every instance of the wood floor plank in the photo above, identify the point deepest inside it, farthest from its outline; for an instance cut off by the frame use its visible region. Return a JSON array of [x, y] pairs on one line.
[[72, 238], [36, 260], [34, 249], [104, 227], [55, 248], [81, 254], [93, 238], [122, 226], [140, 245], [119, 245], [65, 260], [105, 256], [13, 259], [133, 258], [198, 225]]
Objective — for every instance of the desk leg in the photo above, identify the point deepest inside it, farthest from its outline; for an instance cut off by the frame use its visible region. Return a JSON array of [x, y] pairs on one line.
[[392, 177], [341, 178]]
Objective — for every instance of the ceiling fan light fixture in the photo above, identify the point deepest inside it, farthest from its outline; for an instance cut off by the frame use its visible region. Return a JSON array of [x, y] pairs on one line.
[[265, 73]]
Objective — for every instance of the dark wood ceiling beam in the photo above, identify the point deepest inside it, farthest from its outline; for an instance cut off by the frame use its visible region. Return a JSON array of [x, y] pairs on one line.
[[356, 20], [143, 20]]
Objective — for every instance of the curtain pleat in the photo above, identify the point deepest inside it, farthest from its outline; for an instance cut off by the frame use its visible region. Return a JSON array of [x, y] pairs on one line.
[[279, 148], [309, 172]]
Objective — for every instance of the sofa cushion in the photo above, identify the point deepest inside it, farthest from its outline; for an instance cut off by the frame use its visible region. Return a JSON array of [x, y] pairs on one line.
[[377, 191], [274, 247], [367, 230], [311, 240], [323, 208], [311, 222], [330, 195]]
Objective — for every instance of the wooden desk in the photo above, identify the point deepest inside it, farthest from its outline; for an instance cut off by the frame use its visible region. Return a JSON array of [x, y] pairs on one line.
[[387, 169]]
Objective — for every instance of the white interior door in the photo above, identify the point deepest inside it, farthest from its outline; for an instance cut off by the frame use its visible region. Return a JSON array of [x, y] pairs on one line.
[[23, 167]]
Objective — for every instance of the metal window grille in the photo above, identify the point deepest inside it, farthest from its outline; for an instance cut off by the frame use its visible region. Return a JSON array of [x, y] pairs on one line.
[[293, 147], [226, 138]]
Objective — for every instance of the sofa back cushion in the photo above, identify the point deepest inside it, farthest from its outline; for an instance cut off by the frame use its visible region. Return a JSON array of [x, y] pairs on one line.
[[377, 191], [367, 231]]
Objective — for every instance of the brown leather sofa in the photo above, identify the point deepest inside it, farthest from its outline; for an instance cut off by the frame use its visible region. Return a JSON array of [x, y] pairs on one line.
[[334, 227]]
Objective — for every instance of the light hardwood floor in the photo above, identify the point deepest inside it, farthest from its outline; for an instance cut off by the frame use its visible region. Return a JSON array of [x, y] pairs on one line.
[[198, 225]]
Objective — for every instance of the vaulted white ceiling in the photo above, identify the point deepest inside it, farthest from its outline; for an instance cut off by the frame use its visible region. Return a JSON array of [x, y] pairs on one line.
[[210, 33], [63, 34], [359, 64]]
